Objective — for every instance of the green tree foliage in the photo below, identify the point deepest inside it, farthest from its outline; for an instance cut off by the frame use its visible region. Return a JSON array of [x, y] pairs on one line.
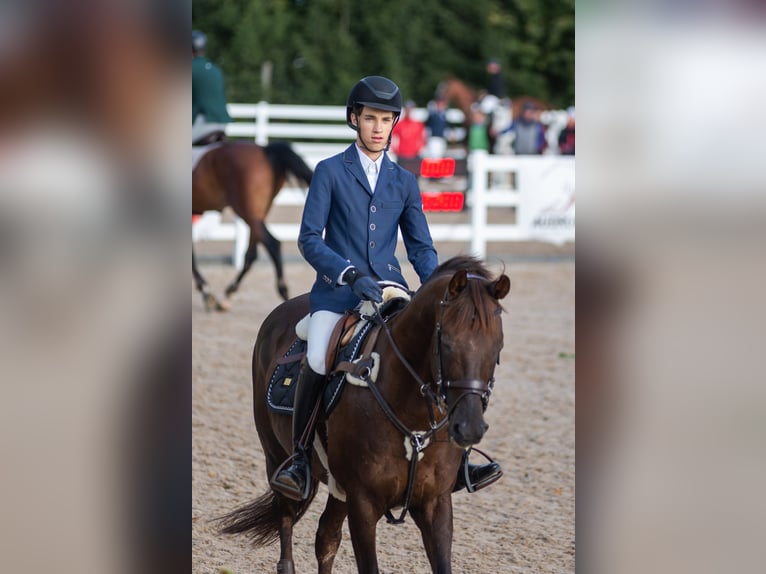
[[317, 49]]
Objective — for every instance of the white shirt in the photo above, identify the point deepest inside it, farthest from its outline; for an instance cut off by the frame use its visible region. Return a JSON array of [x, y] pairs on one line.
[[370, 168]]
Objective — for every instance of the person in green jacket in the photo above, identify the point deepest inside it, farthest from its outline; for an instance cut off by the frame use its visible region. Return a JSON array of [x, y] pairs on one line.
[[477, 134], [209, 113]]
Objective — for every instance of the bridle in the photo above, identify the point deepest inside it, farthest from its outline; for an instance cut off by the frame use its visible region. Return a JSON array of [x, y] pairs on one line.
[[435, 399], [468, 386]]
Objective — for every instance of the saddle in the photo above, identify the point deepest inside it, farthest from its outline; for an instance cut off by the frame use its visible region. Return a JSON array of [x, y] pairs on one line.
[[211, 138], [349, 355]]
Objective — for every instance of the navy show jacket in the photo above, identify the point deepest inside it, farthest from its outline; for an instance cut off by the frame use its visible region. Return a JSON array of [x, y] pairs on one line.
[[344, 223]]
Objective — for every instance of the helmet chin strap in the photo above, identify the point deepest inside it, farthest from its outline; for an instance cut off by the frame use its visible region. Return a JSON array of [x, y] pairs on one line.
[[390, 135]]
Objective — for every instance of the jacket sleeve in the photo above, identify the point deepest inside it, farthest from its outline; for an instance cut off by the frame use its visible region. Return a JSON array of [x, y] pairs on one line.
[[415, 232], [316, 211]]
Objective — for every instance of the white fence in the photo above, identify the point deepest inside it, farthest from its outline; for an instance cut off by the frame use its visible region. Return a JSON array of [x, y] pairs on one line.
[[543, 196], [324, 126]]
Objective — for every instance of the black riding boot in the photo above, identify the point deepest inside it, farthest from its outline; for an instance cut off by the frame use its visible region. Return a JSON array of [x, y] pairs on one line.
[[474, 477], [293, 481]]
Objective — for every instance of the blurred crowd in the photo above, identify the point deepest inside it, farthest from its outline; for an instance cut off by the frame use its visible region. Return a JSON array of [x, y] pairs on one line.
[[493, 122]]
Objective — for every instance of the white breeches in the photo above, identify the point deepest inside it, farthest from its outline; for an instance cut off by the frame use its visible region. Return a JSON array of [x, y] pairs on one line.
[[321, 325]]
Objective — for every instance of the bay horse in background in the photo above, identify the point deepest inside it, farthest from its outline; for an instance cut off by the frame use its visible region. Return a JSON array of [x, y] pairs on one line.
[[435, 370], [457, 92], [246, 177]]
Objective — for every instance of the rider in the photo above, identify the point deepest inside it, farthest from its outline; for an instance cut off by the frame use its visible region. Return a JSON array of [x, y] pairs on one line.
[[357, 202], [209, 113]]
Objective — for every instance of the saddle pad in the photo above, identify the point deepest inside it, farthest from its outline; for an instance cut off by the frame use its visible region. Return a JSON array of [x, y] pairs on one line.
[[281, 392], [280, 395]]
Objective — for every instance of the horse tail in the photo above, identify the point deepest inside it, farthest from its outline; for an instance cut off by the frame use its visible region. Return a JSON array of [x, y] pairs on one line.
[[283, 160], [261, 519]]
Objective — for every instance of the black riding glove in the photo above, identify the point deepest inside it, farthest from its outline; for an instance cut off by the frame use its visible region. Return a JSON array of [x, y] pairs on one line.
[[364, 287]]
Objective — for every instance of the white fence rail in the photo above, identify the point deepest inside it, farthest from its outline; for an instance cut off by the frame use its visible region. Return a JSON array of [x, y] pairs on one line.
[[324, 125], [543, 196]]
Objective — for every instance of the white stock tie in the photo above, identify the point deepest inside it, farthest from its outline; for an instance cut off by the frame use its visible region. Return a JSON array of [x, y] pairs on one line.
[[372, 175]]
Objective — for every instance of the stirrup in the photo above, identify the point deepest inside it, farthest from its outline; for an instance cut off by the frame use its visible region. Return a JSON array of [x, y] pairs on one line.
[[491, 478], [286, 490]]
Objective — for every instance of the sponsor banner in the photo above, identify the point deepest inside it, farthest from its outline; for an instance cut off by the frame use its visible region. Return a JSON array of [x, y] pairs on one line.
[[547, 206]]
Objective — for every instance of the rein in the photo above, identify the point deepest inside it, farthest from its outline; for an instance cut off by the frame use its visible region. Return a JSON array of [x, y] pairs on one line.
[[420, 441]]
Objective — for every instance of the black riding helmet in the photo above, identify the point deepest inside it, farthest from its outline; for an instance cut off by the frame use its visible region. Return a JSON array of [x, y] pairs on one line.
[[375, 92]]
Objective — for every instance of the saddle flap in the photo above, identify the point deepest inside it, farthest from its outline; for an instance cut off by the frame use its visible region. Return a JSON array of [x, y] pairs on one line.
[[341, 335]]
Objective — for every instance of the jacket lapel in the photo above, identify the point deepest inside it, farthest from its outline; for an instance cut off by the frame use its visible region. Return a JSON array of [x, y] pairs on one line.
[[386, 172], [354, 167]]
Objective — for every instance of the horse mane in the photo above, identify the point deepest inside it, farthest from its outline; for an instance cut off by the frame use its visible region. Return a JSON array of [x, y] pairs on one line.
[[466, 263], [473, 307]]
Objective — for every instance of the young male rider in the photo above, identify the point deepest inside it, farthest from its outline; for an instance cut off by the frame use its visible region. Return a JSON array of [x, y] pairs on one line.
[[357, 202]]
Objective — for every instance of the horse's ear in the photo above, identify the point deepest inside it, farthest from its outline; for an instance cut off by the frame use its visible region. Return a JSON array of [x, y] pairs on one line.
[[501, 287], [457, 284]]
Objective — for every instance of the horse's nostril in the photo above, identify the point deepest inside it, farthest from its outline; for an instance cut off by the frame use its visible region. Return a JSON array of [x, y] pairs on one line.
[[486, 427]]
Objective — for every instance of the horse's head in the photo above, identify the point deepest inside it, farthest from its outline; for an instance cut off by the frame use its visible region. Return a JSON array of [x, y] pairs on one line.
[[469, 337]]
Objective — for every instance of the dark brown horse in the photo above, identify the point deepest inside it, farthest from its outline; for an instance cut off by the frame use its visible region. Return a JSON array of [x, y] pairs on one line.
[[435, 375], [246, 177]]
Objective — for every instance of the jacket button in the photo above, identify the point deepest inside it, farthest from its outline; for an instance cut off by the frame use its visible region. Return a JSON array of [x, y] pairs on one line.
[[372, 227], [372, 245], [373, 209]]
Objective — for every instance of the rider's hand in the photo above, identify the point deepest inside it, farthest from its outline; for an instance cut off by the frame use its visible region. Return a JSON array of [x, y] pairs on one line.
[[364, 287], [368, 289]]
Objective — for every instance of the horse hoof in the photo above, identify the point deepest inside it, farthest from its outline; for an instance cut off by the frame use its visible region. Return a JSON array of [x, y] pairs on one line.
[[224, 305], [285, 567], [283, 292], [210, 301]]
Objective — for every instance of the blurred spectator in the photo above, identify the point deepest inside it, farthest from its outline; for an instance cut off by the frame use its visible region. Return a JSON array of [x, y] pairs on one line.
[[495, 83], [567, 135], [209, 114], [529, 134], [437, 128], [409, 135], [477, 134]]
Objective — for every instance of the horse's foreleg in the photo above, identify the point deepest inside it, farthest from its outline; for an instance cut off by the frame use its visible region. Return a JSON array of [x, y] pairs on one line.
[[329, 533], [435, 524], [208, 298], [362, 520]]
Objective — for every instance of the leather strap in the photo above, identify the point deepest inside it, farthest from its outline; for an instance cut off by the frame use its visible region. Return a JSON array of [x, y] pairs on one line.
[[345, 323]]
